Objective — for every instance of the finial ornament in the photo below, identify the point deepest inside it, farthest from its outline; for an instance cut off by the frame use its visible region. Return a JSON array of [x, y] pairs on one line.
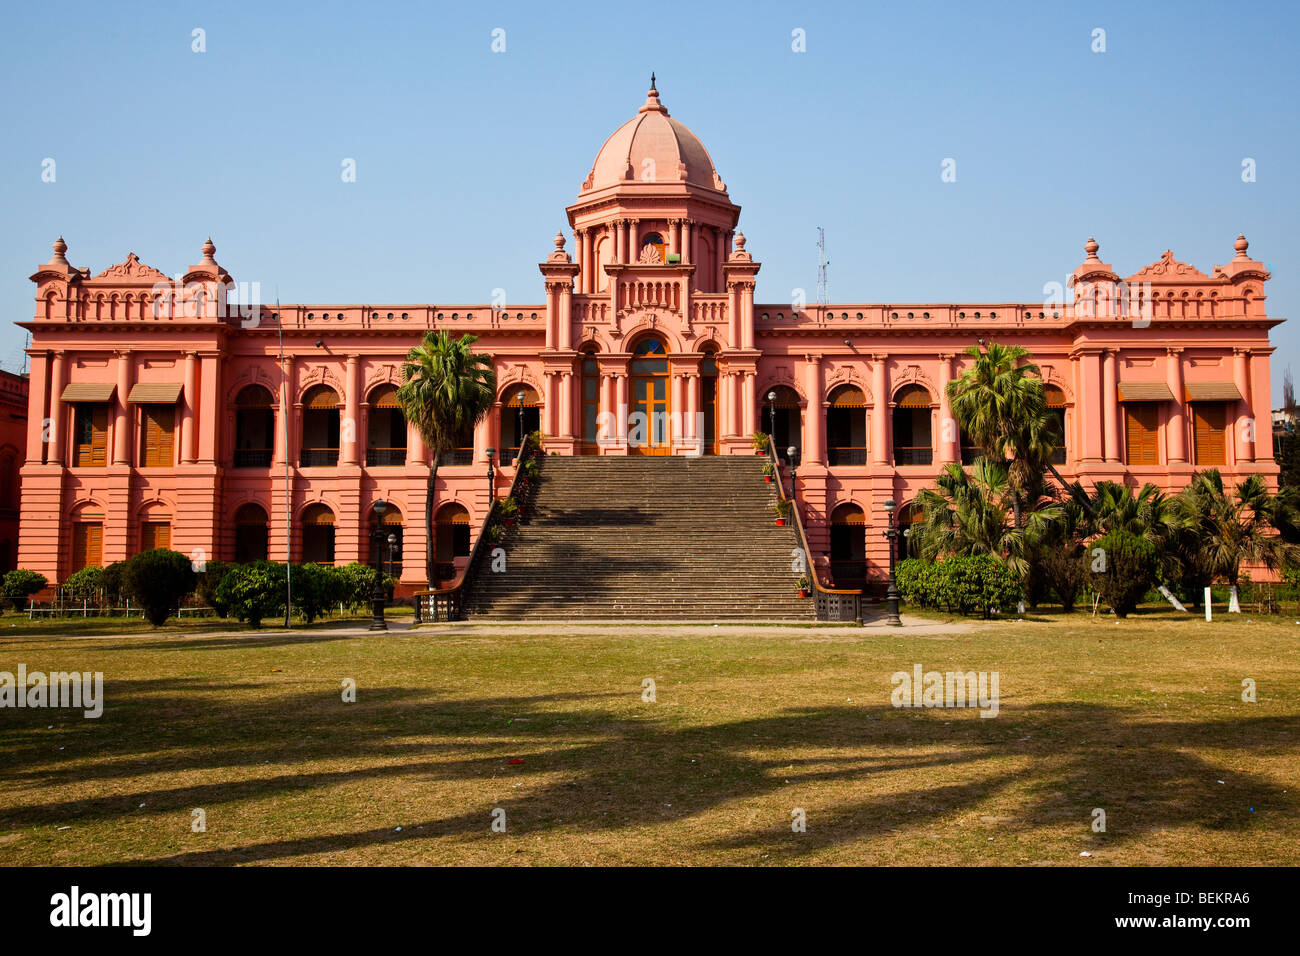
[[59, 247], [1241, 245], [559, 241], [652, 81], [1091, 247], [209, 250]]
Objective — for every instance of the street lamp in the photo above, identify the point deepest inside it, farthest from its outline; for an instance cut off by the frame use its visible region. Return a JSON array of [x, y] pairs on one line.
[[519, 427], [492, 487], [377, 622], [392, 564], [891, 596], [791, 455], [771, 417]]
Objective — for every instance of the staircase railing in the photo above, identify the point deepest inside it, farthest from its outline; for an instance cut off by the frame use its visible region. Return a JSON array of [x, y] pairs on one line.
[[449, 603], [833, 604]]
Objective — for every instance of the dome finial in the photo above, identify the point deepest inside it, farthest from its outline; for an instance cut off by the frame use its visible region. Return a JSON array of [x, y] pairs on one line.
[[59, 247], [1241, 245], [209, 250], [1091, 247], [652, 81]]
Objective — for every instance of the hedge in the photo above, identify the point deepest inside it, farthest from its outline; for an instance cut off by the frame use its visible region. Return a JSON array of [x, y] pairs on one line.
[[960, 584]]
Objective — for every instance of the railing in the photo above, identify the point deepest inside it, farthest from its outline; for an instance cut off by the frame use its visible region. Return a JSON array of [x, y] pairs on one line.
[[847, 455], [253, 457], [385, 457], [846, 571], [969, 453], [508, 456], [913, 455], [319, 457], [457, 456], [450, 601], [833, 604]]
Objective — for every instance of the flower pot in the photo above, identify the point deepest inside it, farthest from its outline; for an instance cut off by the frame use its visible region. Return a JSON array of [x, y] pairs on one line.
[[768, 479], [509, 522], [803, 592], [780, 522]]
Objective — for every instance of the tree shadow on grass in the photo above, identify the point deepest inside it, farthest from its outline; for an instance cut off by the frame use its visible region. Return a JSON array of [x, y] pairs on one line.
[[602, 766]]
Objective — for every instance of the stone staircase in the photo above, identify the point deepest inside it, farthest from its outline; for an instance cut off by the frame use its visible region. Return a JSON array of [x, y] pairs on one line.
[[647, 538]]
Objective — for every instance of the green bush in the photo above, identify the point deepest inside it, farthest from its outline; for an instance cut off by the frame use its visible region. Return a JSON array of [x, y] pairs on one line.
[[254, 591], [85, 585], [157, 580], [317, 588], [1130, 570], [18, 585], [358, 580], [110, 579], [961, 584], [210, 579]]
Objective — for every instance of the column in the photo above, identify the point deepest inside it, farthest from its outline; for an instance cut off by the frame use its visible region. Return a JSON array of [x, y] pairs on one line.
[[566, 404], [620, 410], [416, 452], [122, 412], [814, 425], [1176, 429], [674, 228], [57, 420], [620, 240], [189, 401], [694, 434], [948, 432], [605, 414], [38, 405], [688, 228], [879, 438], [284, 421], [745, 300], [208, 419], [1245, 429], [677, 381], [750, 423], [734, 399], [564, 320], [1110, 406], [351, 423], [1089, 406], [588, 264]]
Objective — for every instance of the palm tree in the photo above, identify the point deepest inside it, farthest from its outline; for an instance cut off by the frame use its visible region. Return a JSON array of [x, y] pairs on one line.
[[447, 389], [1237, 528], [972, 513]]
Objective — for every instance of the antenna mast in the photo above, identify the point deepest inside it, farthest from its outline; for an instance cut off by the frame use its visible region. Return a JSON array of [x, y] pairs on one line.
[[822, 263]]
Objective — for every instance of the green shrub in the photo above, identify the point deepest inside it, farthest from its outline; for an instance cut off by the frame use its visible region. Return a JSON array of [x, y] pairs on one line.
[[157, 580], [1130, 569], [252, 592], [110, 579], [85, 585], [1064, 571], [317, 588], [210, 579], [18, 585], [961, 584], [358, 580]]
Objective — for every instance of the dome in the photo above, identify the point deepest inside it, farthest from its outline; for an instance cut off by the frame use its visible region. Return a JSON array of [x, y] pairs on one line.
[[652, 147]]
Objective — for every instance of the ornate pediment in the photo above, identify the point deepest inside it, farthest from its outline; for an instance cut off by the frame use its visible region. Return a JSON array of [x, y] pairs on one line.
[[132, 268], [1169, 269]]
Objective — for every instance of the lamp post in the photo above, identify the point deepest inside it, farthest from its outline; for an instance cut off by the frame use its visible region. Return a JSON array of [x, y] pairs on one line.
[[791, 455], [492, 486], [891, 596], [377, 622], [519, 427], [771, 417], [392, 564]]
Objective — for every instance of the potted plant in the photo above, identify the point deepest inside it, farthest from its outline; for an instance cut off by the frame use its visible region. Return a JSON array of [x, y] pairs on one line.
[[768, 472], [509, 511], [762, 441], [495, 532], [804, 585], [530, 469], [782, 509]]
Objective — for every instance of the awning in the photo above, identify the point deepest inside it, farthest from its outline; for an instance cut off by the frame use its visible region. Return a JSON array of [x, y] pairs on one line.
[[1212, 392], [162, 393], [1145, 392], [88, 392]]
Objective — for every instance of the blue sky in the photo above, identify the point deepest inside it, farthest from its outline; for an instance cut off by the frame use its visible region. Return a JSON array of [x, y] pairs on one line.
[[466, 158]]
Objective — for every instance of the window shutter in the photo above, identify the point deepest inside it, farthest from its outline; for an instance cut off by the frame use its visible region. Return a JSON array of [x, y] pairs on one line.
[[1210, 433], [99, 436], [87, 540], [159, 428], [1142, 433]]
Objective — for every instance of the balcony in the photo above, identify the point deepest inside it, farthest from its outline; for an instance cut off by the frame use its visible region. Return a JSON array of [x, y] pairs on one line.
[[385, 457], [457, 456], [913, 455], [848, 573], [846, 455], [253, 457], [508, 456], [319, 457]]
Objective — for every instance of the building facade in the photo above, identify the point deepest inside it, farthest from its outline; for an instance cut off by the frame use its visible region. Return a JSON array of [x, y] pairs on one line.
[[158, 411], [13, 444]]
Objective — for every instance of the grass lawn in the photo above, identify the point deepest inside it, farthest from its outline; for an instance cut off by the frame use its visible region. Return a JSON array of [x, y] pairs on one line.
[[1142, 718]]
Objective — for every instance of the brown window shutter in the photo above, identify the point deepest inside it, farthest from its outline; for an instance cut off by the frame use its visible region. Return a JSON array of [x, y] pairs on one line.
[[1142, 434], [87, 545], [1210, 428], [99, 436], [155, 534], [159, 427]]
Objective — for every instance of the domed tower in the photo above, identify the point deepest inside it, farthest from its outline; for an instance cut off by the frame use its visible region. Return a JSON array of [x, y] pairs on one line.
[[652, 197]]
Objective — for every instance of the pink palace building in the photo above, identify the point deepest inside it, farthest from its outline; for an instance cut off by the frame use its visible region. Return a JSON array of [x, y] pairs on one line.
[[156, 410]]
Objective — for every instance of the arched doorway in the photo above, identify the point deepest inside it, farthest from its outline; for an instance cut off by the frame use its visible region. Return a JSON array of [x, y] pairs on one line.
[[1054, 398], [254, 427], [709, 401], [381, 554], [848, 546], [590, 402], [320, 427], [649, 430], [913, 444], [452, 544], [87, 537], [846, 427], [780, 415], [386, 428], [520, 416], [909, 516], [250, 533], [318, 535], [155, 527]]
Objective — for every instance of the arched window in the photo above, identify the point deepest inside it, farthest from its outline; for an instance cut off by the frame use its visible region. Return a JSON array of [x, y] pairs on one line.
[[908, 518], [520, 416], [846, 427], [709, 399], [155, 528], [254, 427], [386, 435], [848, 546], [1055, 399], [590, 402], [452, 534], [780, 415], [250, 533], [320, 428], [653, 249], [381, 552], [317, 535], [913, 444]]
